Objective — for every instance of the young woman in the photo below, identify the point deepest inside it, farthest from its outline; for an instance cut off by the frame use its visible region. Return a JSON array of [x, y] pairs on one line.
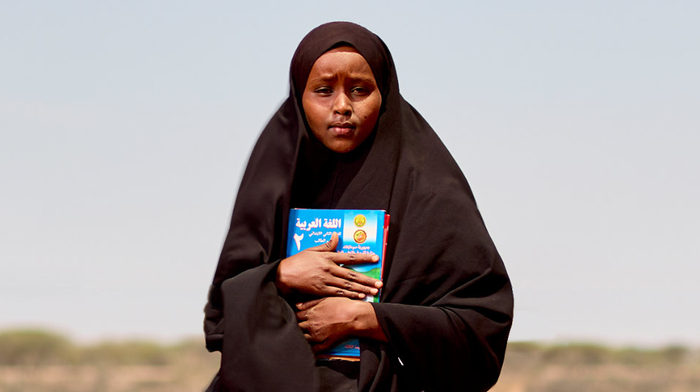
[[345, 138]]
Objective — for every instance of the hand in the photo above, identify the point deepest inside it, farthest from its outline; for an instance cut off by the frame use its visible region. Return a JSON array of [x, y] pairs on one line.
[[328, 321], [316, 271]]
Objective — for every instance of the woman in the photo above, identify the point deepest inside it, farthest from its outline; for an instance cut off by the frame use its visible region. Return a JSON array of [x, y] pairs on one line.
[[345, 138]]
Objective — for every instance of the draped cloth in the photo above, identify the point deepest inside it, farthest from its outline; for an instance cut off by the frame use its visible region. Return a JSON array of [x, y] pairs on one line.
[[446, 304]]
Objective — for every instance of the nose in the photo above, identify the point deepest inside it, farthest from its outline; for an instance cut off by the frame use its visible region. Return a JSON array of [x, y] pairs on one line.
[[342, 104]]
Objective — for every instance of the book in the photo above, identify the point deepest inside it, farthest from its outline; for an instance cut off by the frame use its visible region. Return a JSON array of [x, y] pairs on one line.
[[359, 231]]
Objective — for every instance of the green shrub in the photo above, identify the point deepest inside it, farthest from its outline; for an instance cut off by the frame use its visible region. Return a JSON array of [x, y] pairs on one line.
[[582, 353], [128, 353], [35, 347]]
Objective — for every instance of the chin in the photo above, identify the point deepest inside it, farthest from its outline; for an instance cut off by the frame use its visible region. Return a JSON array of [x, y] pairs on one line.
[[341, 148], [338, 145]]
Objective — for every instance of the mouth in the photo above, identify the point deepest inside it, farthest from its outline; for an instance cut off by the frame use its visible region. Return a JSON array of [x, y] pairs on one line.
[[341, 129]]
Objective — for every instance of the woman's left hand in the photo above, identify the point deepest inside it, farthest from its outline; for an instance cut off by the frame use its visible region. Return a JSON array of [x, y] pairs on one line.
[[327, 321]]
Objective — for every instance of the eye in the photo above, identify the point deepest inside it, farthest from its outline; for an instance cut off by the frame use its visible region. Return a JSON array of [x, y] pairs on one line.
[[359, 90], [323, 91]]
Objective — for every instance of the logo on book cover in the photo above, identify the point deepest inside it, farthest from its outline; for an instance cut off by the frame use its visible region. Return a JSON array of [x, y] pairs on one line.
[[360, 220], [360, 236]]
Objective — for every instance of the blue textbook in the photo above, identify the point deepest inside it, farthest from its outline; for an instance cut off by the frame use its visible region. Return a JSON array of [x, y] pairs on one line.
[[359, 231]]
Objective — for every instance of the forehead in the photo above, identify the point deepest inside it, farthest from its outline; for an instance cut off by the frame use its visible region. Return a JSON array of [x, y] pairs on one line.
[[342, 48], [344, 60]]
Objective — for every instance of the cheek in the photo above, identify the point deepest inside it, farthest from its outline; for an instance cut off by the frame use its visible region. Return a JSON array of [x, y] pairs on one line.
[[370, 113], [313, 114]]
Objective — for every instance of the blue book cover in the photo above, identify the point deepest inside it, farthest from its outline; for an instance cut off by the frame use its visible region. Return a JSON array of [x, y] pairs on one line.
[[359, 231]]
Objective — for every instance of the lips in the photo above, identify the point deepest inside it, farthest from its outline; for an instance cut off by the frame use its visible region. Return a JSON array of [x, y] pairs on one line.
[[342, 129]]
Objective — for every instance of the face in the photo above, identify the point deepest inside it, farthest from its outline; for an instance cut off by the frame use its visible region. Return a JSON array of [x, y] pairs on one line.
[[341, 99]]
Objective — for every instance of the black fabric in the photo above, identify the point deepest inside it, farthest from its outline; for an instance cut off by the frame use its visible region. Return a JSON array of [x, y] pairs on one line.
[[338, 376], [446, 305]]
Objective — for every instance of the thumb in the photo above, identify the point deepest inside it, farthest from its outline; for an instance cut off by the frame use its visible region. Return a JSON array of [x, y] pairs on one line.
[[328, 246]]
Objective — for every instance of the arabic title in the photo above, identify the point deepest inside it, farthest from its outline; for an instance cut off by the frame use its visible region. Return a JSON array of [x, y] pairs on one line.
[[333, 223]]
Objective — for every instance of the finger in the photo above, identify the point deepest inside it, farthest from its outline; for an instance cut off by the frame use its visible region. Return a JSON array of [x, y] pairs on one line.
[[346, 288], [304, 327], [337, 288], [319, 347], [353, 258], [370, 284], [308, 304], [328, 246], [302, 315], [331, 291], [310, 338], [314, 340]]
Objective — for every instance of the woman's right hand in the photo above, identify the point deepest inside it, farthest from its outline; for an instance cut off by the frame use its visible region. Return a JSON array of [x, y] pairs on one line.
[[317, 271]]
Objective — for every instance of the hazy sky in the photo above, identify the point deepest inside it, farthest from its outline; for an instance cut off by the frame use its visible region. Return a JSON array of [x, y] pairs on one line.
[[125, 127]]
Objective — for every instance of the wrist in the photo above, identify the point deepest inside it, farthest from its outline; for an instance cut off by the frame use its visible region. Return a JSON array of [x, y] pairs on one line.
[[280, 281], [365, 324]]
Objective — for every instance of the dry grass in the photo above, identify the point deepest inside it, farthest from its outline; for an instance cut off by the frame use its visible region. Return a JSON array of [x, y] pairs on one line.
[[592, 368], [38, 361]]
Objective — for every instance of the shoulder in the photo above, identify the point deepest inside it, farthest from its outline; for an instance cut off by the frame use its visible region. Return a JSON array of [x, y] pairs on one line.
[[425, 162]]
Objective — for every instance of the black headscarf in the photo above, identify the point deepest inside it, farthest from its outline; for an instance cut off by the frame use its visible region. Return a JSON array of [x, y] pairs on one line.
[[446, 305]]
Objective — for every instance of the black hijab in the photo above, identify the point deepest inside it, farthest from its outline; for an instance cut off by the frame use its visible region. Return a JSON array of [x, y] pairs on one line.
[[446, 305]]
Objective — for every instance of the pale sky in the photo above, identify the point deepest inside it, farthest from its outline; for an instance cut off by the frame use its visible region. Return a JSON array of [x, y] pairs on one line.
[[125, 127]]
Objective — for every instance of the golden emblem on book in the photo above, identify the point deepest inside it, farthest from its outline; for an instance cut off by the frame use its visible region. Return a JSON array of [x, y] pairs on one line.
[[360, 236]]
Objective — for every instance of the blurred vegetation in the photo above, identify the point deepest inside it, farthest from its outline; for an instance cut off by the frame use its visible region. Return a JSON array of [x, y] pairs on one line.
[[39, 360], [586, 367], [35, 347], [43, 348]]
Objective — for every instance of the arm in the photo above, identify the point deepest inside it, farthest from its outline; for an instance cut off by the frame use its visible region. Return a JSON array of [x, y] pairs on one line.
[[261, 333], [449, 347], [315, 271]]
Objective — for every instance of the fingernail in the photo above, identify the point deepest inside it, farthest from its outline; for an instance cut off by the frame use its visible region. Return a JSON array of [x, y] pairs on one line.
[[375, 258], [379, 285], [374, 291], [299, 305], [361, 295]]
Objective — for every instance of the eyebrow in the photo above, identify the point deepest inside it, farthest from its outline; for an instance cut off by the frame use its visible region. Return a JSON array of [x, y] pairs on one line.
[[324, 78], [332, 77]]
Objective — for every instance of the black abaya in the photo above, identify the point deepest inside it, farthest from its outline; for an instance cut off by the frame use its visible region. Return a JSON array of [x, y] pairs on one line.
[[446, 305]]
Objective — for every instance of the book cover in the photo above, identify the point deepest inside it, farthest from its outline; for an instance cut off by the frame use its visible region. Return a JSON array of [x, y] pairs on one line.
[[359, 231]]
